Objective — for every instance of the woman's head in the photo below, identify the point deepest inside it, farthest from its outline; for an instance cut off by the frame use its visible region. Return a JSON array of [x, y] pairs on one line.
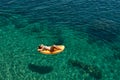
[[40, 46]]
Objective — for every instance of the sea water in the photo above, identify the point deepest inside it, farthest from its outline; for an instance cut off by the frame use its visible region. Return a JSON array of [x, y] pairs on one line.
[[89, 29]]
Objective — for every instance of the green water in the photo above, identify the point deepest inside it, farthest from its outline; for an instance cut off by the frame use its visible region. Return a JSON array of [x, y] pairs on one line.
[[82, 59], [89, 29]]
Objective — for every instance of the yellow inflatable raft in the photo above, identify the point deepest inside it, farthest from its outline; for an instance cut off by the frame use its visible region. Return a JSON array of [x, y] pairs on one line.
[[56, 51]]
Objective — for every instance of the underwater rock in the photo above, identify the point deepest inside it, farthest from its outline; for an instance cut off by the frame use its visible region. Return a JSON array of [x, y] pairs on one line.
[[59, 37], [93, 71], [40, 69], [31, 29], [19, 21]]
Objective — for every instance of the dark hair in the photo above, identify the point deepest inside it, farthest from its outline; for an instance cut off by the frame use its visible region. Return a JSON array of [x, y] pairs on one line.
[[39, 47]]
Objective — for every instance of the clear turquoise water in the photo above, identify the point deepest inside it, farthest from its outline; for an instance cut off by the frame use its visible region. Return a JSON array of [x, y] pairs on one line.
[[89, 29]]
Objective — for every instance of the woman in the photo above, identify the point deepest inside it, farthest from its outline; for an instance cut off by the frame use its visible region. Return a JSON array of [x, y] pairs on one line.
[[49, 48]]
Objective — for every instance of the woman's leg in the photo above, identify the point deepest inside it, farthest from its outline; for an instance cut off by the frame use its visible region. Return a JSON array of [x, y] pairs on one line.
[[52, 48], [56, 47]]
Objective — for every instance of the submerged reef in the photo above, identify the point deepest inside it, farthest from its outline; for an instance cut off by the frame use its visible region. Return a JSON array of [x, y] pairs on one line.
[[40, 69], [93, 71]]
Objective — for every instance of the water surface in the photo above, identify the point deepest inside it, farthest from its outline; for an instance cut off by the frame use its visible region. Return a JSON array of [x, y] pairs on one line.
[[89, 29]]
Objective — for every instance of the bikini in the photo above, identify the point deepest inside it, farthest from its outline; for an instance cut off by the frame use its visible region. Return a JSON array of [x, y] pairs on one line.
[[46, 47]]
